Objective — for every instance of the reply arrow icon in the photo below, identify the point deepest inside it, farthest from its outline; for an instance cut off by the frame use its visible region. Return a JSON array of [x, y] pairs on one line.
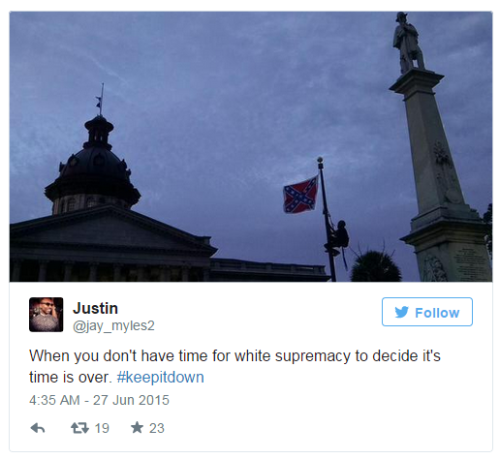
[[35, 428]]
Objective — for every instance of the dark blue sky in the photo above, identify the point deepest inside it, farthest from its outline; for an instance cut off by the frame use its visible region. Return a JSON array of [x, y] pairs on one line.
[[216, 112]]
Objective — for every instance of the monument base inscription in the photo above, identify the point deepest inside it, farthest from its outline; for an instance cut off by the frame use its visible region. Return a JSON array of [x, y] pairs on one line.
[[451, 251]]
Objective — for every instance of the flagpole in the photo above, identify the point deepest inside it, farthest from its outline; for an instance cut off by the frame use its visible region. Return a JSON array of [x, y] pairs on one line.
[[102, 97], [327, 223]]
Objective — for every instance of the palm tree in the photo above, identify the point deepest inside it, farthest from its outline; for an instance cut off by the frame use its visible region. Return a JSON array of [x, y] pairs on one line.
[[488, 219], [373, 266]]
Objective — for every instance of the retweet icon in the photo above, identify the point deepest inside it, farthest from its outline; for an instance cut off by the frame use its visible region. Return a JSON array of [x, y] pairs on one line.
[[400, 313]]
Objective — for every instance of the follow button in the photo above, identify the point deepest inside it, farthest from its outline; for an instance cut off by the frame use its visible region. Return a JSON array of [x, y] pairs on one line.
[[427, 312]]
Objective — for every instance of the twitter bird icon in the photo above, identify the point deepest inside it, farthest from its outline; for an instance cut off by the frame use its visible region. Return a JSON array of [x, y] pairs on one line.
[[400, 313]]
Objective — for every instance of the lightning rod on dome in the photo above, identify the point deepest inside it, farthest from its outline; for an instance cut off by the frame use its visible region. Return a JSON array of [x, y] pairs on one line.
[[100, 99]]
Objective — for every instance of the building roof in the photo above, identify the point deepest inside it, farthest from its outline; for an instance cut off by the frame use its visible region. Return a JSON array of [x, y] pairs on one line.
[[109, 228]]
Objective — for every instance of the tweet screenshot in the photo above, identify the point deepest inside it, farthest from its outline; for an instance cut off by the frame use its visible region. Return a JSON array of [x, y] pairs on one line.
[[238, 232]]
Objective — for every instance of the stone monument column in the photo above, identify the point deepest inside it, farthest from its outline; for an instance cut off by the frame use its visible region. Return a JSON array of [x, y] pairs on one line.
[[447, 234]]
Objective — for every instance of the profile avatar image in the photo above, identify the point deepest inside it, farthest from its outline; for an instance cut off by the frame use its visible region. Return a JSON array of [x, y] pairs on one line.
[[46, 314]]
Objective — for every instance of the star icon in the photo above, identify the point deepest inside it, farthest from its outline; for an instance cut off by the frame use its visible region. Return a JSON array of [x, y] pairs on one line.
[[137, 427]]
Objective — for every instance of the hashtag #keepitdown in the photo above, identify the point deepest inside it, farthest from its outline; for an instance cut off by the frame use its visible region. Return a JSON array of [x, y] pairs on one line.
[[160, 378]]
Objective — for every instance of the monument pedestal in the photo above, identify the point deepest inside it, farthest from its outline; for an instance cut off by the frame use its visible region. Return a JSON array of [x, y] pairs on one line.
[[447, 234]]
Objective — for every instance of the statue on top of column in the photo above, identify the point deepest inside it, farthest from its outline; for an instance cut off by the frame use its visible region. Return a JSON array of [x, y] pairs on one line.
[[406, 40]]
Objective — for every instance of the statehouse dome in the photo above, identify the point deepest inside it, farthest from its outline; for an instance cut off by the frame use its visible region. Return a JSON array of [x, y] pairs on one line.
[[94, 175]]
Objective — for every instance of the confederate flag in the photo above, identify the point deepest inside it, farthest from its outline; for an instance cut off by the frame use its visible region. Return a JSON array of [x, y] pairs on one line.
[[301, 196]]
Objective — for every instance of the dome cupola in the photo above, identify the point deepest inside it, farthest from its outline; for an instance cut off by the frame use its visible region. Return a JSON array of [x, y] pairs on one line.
[[93, 176]]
